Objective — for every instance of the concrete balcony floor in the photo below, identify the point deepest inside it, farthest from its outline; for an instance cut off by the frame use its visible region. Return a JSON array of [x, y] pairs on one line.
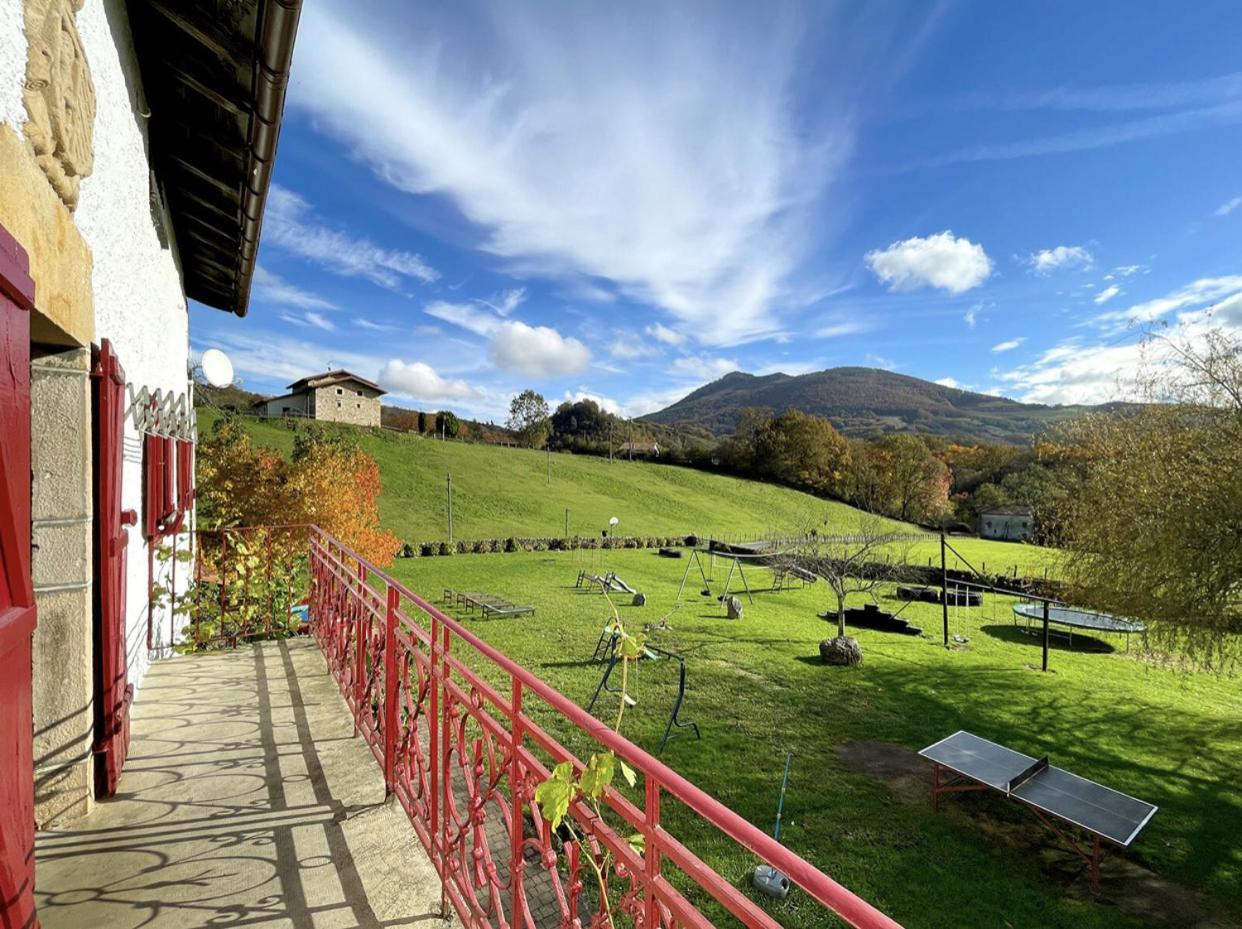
[[245, 802]]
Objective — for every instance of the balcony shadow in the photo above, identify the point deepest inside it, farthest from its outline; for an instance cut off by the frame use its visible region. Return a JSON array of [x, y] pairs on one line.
[[244, 802]]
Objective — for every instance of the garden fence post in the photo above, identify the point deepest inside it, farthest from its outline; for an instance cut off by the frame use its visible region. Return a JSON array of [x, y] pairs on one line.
[[390, 690]]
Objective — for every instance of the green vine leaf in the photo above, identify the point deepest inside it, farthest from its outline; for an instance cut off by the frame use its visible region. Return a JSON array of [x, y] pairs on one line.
[[628, 773], [556, 793], [597, 777], [637, 842]]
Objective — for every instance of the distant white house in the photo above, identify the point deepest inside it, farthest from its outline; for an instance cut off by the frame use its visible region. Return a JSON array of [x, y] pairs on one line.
[[1010, 523], [334, 396], [640, 449]]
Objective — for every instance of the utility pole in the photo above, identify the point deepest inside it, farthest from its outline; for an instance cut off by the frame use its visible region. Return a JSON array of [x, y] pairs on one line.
[[450, 510], [567, 522], [944, 589], [1045, 635]]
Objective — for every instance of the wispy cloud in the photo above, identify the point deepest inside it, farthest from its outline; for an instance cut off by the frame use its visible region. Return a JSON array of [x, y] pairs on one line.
[[704, 367], [842, 327], [971, 316], [613, 156], [1109, 98], [290, 224], [1107, 294], [942, 260], [662, 333], [272, 288], [1048, 260], [1223, 114], [1008, 345], [1200, 293], [362, 323], [1229, 206]]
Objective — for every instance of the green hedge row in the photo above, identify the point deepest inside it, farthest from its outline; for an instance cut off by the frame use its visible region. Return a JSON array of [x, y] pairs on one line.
[[545, 544]]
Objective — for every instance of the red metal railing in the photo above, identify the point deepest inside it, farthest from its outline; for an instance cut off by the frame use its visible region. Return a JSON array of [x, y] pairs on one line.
[[451, 721]]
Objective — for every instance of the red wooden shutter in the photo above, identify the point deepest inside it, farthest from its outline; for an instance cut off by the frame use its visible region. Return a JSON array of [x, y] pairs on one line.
[[17, 606], [113, 692]]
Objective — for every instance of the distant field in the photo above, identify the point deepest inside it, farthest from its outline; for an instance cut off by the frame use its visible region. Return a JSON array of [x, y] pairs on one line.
[[500, 492], [757, 689]]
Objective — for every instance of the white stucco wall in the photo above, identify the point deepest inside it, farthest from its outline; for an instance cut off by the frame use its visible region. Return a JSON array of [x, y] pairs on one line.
[[12, 63], [139, 304]]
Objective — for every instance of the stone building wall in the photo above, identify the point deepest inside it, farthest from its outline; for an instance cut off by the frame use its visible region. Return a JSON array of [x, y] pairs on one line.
[[354, 405]]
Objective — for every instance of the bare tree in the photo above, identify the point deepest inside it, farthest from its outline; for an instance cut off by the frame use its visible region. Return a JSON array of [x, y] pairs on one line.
[[856, 562]]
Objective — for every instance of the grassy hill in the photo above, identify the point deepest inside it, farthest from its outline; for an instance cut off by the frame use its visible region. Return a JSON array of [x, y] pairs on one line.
[[500, 492], [863, 402]]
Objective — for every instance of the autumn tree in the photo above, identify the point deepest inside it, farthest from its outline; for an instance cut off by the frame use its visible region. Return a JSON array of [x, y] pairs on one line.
[[328, 481], [1153, 519], [336, 486], [528, 417]]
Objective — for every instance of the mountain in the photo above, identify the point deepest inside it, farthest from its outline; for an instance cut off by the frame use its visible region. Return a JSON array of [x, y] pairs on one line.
[[864, 402]]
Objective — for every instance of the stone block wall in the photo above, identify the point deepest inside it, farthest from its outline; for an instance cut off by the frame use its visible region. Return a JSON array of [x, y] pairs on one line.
[[63, 685], [351, 406]]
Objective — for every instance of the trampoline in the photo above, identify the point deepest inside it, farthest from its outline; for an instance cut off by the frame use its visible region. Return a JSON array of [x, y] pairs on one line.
[[1072, 618]]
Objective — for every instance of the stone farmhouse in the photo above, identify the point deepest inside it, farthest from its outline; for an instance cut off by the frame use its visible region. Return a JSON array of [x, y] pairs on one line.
[[334, 396]]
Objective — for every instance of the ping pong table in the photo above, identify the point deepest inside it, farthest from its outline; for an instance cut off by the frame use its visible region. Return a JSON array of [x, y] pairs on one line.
[[1053, 794]]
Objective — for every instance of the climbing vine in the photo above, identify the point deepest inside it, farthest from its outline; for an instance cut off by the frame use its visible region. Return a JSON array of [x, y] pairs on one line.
[[562, 789]]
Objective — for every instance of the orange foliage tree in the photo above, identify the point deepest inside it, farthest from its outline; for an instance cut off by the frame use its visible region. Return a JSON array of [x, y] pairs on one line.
[[329, 482], [336, 486]]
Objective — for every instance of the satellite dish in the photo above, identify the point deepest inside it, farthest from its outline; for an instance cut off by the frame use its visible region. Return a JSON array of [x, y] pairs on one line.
[[613, 521], [217, 368]]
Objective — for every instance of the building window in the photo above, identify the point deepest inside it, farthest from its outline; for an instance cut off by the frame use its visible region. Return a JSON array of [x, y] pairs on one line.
[[340, 391], [359, 406], [338, 404]]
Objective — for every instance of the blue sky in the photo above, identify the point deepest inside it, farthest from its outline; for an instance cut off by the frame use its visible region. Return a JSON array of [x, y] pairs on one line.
[[626, 201]]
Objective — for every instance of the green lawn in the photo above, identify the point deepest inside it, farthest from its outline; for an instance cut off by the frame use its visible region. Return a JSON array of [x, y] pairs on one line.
[[500, 492], [757, 689]]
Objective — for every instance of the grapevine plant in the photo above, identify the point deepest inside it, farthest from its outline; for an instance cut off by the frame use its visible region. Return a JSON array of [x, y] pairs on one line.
[[563, 788]]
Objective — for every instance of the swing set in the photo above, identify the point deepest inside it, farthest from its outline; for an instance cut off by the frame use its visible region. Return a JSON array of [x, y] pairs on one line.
[[607, 649]]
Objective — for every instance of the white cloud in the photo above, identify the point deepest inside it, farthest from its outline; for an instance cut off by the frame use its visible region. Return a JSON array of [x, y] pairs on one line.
[[272, 288], [1107, 294], [1048, 260], [880, 361], [419, 381], [289, 224], [949, 382], [662, 333], [1198, 293], [941, 260], [1078, 372], [1128, 270], [607, 404], [1008, 345], [703, 367], [374, 327], [536, 351], [972, 315], [593, 143], [1229, 206]]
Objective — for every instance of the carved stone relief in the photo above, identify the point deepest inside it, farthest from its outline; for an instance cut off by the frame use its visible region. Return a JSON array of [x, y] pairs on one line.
[[59, 95]]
